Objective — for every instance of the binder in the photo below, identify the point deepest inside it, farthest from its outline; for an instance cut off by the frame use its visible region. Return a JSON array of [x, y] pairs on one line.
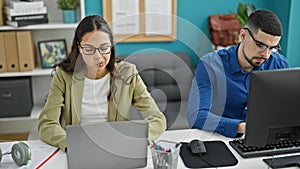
[[3, 67], [26, 51], [11, 51], [2, 20]]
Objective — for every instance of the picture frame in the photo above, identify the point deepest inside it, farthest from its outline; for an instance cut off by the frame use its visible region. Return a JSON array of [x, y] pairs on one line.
[[52, 52]]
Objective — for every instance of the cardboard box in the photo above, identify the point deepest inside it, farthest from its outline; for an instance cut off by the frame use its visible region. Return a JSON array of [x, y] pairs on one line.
[[26, 51], [13, 137]]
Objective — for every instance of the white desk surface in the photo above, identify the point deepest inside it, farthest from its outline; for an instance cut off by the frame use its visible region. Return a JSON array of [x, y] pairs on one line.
[[40, 151]]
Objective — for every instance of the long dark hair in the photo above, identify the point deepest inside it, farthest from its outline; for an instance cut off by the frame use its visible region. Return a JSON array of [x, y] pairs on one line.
[[74, 58]]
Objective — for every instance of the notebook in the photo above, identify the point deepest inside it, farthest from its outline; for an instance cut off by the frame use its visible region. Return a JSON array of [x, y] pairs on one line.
[[107, 145]]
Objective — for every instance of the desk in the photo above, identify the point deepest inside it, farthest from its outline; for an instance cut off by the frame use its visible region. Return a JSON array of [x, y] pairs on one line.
[[41, 151]]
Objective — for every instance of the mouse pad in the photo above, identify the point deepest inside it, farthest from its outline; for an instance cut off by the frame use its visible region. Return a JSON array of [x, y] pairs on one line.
[[217, 155]]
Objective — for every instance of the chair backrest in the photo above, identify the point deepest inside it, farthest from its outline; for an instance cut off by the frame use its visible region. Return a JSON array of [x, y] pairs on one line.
[[168, 77]]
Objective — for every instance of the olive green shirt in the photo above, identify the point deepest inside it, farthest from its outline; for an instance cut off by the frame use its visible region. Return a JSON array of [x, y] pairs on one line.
[[127, 89]]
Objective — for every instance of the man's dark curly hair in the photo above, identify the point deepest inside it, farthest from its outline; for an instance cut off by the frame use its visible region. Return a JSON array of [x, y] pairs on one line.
[[264, 20]]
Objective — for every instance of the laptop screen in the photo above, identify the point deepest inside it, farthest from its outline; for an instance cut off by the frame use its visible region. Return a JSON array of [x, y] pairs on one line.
[[108, 145]]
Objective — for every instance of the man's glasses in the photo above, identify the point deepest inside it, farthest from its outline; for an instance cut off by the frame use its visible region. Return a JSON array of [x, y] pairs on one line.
[[90, 50], [261, 46]]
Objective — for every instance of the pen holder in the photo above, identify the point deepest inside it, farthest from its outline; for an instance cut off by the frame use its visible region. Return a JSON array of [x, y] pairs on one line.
[[164, 159]]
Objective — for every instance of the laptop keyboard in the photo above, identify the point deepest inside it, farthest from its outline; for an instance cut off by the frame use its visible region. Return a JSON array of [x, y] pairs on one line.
[[281, 147]]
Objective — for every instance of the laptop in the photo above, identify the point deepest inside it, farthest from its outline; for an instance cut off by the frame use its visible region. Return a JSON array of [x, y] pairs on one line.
[[108, 145]]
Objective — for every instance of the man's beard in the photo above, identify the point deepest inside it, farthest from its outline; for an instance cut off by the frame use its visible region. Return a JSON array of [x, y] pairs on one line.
[[252, 61]]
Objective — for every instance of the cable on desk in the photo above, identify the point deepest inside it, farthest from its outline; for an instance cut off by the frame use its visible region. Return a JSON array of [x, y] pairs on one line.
[[269, 165]]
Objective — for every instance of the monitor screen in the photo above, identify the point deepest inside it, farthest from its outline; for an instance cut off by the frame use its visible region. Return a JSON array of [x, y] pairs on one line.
[[273, 110]]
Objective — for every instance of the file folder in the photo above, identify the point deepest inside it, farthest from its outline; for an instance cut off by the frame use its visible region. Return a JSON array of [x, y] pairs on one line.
[[26, 51], [11, 51], [2, 54], [2, 20]]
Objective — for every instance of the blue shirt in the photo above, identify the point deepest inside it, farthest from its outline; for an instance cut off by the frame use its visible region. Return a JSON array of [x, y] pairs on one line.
[[219, 92]]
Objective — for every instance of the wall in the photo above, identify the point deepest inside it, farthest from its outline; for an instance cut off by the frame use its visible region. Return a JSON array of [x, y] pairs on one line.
[[284, 16], [192, 21], [294, 35]]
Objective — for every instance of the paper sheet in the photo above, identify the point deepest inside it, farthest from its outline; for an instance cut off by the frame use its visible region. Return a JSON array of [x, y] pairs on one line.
[[158, 17], [125, 17]]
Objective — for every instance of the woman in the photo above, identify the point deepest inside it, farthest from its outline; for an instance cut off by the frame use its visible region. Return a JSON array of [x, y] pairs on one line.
[[90, 86]]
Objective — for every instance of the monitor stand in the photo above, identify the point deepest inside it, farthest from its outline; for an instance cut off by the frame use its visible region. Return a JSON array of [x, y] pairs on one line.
[[286, 161]]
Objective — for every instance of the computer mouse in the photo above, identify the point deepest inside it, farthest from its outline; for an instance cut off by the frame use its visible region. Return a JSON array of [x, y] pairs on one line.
[[197, 147]]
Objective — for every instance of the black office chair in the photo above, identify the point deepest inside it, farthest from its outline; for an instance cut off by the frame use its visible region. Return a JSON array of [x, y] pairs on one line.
[[168, 77]]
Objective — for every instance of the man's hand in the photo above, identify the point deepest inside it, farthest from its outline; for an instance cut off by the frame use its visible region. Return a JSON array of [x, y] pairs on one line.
[[241, 127]]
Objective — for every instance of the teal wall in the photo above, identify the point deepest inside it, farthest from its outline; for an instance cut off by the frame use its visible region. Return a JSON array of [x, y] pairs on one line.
[[192, 21], [294, 35], [277, 6]]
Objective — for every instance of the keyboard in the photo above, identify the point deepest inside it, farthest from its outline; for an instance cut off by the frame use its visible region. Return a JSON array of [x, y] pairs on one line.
[[282, 147]]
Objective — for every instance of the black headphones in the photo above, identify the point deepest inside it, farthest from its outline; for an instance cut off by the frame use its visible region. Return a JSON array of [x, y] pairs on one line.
[[20, 153]]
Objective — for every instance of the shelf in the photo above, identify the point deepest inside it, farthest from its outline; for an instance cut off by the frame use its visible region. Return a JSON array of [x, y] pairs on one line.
[[35, 72], [55, 19], [35, 112], [40, 78], [47, 26]]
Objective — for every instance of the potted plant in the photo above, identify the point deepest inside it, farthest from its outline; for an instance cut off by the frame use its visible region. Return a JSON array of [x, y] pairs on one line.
[[243, 11], [68, 8]]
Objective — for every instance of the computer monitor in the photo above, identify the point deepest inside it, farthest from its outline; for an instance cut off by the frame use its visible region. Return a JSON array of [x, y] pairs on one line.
[[273, 106]]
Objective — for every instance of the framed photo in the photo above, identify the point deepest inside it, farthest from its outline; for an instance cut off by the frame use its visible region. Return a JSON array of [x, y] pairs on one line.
[[52, 52]]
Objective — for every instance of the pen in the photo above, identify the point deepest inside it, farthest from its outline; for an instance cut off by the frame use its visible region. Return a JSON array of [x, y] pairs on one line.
[[155, 145], [158, 147]]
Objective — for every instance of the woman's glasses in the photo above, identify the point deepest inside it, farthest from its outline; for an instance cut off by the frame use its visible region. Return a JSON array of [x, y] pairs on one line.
[[260, 47], [90, 50]]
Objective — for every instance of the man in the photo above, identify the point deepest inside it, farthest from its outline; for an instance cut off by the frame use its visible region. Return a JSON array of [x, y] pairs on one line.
[[219, 92]]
